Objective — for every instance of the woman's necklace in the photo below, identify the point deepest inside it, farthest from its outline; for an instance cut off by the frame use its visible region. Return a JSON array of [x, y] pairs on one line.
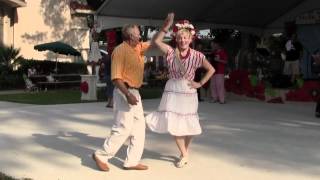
[[185, 56]]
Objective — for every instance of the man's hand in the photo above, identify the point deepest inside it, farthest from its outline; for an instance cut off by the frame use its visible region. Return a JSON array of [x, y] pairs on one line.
[[131, 99], [121, 85]]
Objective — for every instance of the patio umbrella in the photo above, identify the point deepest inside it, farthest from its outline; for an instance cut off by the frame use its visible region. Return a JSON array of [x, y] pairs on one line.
[[59, 48]]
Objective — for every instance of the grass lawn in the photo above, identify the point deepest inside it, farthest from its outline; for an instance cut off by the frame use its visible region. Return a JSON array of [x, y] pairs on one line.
[[66, 96], [43, 98]]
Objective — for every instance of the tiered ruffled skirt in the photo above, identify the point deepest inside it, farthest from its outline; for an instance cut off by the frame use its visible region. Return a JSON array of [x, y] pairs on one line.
[[177, 112]]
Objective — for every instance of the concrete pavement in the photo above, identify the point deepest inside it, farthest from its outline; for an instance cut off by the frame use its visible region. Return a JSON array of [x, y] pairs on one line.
[[240, 140]]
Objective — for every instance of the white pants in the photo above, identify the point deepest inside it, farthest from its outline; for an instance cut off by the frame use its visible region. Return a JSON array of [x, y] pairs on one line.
[[217, 87], [291, 67], [129, 123]]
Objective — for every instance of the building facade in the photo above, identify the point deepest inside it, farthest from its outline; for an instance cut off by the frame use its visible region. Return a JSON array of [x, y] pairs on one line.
[[43, 21], [8, 20]]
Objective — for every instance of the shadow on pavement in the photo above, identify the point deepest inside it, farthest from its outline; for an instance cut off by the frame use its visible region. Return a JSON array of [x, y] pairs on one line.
[[76, 144]]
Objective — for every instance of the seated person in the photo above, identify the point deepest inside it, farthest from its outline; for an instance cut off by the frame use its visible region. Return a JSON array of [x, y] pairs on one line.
[[32, 71], [50, 78]]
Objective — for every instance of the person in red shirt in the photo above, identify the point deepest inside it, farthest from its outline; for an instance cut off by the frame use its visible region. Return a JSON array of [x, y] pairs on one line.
[[316, 62], [219, 59]]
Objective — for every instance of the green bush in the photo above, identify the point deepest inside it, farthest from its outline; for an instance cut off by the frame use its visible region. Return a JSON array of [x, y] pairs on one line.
[[10, 79], [9, 56]]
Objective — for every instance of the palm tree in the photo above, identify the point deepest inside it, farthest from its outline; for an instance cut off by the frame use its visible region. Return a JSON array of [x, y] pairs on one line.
[[9, 56]]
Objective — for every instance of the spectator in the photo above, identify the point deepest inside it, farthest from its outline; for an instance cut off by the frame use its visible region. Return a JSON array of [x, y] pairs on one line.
[[219, 59], [107, 77], [293, 52], [32, 71], [200, 71], [102, 71], [147, 73], [316, 62]]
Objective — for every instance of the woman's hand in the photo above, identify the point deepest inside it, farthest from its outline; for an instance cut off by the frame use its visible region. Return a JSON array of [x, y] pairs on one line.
[[194, 84], [168, 22]]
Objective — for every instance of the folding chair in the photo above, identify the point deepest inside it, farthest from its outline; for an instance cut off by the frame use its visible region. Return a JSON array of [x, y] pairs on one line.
[[29, 85]]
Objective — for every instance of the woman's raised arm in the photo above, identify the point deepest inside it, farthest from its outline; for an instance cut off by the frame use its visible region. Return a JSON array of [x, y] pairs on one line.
[[158, 38]]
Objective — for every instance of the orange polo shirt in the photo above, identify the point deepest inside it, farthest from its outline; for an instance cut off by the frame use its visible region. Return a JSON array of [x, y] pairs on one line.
[[128, 63]]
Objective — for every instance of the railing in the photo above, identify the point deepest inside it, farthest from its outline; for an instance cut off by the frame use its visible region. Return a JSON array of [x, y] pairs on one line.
[[44, 82]]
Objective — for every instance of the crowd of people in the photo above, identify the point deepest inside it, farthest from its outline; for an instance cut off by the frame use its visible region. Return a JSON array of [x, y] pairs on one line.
[[293, 56]]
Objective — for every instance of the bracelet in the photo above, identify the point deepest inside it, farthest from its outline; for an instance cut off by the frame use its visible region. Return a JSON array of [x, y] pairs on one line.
[[165, 31]]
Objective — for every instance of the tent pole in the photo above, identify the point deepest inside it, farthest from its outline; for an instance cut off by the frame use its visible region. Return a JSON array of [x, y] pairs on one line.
[[56, 64]]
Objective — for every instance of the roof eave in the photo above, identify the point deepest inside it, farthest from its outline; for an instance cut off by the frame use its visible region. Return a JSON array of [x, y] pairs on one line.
[[15, 3]]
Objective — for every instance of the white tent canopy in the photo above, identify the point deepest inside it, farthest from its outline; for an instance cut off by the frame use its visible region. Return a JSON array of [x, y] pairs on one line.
[[245, 15], [304, 7]]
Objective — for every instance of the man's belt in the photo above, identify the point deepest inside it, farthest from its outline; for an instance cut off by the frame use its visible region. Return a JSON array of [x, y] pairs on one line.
[[129, 87]]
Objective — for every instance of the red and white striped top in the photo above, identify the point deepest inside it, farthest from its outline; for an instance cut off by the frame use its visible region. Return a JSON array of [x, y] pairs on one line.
[[191, 62]]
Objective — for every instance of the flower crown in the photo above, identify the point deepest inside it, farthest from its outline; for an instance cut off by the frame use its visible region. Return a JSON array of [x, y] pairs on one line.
[[184, 24]]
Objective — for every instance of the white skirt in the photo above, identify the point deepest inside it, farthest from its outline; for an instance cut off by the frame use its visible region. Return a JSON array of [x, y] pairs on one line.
[[177, 113]]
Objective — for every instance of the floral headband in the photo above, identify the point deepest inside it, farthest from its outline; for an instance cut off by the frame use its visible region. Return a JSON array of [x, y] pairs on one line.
[[184, 24]]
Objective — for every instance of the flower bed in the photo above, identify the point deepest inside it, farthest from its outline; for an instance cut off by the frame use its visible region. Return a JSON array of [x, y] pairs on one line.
[[242, 83]]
